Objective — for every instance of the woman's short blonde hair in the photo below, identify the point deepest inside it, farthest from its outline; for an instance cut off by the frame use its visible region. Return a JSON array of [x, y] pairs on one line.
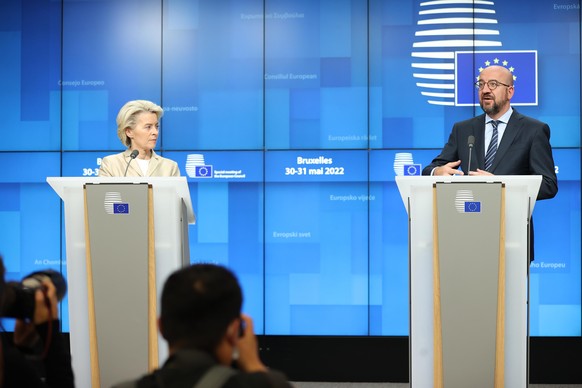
[[127, 116]]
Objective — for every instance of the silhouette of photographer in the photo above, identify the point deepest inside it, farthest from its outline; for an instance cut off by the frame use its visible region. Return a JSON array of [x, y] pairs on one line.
[[201, 320], [36, 355]]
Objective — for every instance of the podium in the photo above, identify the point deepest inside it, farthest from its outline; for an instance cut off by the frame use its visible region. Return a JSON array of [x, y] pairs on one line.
[[124, 236], [469, 268]]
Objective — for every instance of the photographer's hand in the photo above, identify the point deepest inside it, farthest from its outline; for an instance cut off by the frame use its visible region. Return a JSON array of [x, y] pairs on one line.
[[46, 304], [248, 347], [45, 308]]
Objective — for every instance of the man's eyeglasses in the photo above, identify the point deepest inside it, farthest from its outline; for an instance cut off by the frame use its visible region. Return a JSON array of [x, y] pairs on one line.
[[492, 85]]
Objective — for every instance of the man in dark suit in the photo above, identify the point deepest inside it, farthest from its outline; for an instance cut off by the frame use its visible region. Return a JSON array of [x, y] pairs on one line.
[[522, 143]]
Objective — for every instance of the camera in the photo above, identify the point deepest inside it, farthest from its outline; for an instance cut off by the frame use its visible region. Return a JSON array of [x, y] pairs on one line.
[[19, 298]]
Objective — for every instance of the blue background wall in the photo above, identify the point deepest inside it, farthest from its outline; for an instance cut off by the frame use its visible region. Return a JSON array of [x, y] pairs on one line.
[[254, 86]]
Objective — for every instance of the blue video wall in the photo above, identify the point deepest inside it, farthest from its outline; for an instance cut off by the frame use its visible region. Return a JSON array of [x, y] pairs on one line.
[[303, 112]]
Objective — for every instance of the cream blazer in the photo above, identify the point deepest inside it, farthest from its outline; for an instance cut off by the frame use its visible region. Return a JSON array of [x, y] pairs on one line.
[[115, 165]]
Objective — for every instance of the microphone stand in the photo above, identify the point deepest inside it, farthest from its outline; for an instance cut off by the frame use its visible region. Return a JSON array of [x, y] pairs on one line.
[[133, 155], [471, 143]]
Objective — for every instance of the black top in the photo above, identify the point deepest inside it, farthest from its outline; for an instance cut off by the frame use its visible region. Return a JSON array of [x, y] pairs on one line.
[[186, 367], [19, 371]]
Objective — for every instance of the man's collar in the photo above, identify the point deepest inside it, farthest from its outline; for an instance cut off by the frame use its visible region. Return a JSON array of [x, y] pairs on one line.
[[504, 118]]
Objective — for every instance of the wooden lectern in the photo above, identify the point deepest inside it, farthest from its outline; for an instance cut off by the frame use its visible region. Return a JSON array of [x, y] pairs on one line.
[[124, 236], [469, 262]]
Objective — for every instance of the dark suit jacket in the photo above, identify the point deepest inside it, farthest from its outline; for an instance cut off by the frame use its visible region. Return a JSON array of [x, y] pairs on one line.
[[524, 150]]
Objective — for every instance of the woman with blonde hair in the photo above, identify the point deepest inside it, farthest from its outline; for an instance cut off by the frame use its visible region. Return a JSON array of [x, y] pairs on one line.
[[138, 130]]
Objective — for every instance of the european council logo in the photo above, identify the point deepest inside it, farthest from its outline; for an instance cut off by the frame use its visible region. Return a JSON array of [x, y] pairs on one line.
[[196, 168], [113, 203], [442, 30], [404, 164], [522, 64], [465, 202]]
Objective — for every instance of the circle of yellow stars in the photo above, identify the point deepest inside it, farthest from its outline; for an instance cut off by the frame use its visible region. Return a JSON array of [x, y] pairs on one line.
[[497, 61]]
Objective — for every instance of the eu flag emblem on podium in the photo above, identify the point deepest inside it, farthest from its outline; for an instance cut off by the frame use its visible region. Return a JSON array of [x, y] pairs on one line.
[[121, 208], [472, 207], [522, 64]]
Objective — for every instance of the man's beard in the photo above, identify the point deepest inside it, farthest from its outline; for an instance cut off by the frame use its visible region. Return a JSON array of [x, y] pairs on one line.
[[493, 110]]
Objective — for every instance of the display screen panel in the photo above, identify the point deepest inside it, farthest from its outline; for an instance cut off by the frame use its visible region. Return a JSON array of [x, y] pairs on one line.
[[290, 120]]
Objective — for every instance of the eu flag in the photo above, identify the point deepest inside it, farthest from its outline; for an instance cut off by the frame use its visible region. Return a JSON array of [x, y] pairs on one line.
[[203, 171], [121, 208], [472, 207], [411, 169], [523, 64]]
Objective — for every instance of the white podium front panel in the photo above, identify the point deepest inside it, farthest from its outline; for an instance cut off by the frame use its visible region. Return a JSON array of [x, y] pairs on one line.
[[417, 196], [171, 197]]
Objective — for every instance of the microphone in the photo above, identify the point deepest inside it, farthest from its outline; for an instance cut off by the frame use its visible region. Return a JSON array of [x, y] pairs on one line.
[[471, 144], [133, 155]]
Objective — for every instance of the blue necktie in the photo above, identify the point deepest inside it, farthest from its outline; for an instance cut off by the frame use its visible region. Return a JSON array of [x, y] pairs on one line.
[[490, 155]]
